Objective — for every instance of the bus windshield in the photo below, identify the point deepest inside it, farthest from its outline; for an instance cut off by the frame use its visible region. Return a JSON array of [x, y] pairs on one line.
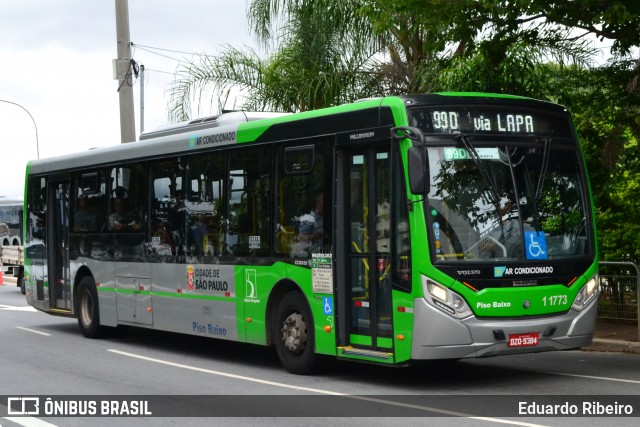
[[507, 201]]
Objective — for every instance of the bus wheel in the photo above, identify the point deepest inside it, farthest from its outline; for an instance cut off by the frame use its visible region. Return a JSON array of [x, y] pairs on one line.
[[88, 311], [294, 335], [21, 283]]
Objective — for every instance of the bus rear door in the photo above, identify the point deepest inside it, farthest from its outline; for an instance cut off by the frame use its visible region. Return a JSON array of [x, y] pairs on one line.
[[58, 245]]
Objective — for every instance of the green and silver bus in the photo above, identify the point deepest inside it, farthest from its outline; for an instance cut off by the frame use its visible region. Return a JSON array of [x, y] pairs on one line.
[[390, 230]]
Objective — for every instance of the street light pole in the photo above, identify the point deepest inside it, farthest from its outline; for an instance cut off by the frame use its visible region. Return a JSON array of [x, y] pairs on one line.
[[32, 119]]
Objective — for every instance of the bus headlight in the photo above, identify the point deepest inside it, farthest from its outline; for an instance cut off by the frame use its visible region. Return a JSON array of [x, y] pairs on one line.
[[586, 294], [444, 299]]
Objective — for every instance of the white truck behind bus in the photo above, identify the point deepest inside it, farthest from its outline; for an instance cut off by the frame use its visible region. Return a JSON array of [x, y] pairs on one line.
[[11, 249]]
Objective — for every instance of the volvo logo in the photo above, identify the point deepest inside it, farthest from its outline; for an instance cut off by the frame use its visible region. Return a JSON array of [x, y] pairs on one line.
[[468, 272], [526, 304]]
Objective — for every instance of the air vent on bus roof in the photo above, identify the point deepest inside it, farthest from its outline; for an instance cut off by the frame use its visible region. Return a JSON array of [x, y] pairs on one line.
[[224, 119], [204, 119]]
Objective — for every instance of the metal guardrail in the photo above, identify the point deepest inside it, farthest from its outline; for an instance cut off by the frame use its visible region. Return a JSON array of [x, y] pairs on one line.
[[619, 292]]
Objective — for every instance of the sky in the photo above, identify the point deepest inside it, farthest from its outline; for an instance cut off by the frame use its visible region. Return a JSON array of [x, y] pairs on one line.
[[56, 63]]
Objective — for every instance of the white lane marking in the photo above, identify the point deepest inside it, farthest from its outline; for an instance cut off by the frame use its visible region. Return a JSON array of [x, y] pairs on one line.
[[29, 422], [225, 374], [15, 308], [33, 330], [594, 377], [320, 391]]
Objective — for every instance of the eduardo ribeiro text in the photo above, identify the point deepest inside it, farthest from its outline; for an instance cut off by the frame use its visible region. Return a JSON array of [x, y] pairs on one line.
[[566, 408]]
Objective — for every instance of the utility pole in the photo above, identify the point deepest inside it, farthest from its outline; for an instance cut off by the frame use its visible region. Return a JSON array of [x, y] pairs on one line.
[[122, 72]]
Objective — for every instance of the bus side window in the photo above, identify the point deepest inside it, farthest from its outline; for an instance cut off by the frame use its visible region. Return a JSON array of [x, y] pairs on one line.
[[166, 234], [249, 185], [204, 205], [37, 210], [89, 209], [128, 199], [302, 225]]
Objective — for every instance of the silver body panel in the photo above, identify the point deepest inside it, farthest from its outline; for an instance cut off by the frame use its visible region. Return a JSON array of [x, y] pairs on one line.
[[161, 297], [440, 336]]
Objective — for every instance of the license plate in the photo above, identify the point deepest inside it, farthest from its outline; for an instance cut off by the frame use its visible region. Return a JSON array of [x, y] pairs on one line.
[[523, 340]]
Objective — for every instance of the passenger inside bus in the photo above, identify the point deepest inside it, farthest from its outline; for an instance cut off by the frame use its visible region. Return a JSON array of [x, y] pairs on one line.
[[86, 218], [121, 219], [198, 232], [312, 224], [162, 240]]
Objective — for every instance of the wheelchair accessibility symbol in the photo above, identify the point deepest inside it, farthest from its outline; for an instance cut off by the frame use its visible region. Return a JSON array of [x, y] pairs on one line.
[[536, 244], [327, 305]]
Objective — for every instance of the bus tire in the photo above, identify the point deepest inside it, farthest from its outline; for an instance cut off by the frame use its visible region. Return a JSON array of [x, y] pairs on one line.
[[88, 310], [294, 334], [21, 283]]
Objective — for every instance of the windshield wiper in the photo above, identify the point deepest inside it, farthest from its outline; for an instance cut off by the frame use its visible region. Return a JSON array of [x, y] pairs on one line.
[[487, 178], [543, 168]]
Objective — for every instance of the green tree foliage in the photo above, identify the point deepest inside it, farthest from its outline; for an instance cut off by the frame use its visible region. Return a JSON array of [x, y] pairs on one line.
[[326, 52], [607, 116], [619, 211], [312, 64], [539, 49]]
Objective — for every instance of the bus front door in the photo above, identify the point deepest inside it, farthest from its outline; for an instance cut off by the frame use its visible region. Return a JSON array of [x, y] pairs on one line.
[[364, 284], [58, 247]]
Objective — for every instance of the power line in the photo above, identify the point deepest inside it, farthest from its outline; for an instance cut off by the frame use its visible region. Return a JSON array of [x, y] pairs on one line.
[[156, 53], [150, 49], [158, 71], [141, 46]]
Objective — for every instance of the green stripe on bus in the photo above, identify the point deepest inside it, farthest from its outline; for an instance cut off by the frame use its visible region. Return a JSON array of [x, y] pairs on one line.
[[166, 294]]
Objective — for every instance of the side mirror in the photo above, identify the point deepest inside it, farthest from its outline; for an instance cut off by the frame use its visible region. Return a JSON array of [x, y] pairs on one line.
[[418, 170], [418, 160]]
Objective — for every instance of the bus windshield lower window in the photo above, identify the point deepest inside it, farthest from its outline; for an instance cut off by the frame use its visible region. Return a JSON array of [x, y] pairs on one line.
[[510, 203]]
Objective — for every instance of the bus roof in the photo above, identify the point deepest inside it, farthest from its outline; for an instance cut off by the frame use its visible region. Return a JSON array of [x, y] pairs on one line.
[[241, 127], [185, 138]]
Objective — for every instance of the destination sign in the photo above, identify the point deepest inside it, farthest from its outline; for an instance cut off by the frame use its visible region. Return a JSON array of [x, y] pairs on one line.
[[490, 120]]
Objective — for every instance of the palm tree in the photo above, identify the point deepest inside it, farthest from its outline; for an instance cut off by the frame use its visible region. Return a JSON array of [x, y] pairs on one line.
[[406, 45], [313, 65], [326, 52]]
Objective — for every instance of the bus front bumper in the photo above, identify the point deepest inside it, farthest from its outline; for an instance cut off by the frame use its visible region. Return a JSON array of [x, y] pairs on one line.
[[440, 336]]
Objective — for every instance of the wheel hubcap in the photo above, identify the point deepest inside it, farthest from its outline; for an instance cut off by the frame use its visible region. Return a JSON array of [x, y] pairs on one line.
[[294, 333], [86, 309]]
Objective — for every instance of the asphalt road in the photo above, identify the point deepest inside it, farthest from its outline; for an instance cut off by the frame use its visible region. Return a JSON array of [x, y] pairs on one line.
[[46, 356]]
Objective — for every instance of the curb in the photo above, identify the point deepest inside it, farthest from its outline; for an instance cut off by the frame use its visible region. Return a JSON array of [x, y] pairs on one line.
[[605, 345]]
